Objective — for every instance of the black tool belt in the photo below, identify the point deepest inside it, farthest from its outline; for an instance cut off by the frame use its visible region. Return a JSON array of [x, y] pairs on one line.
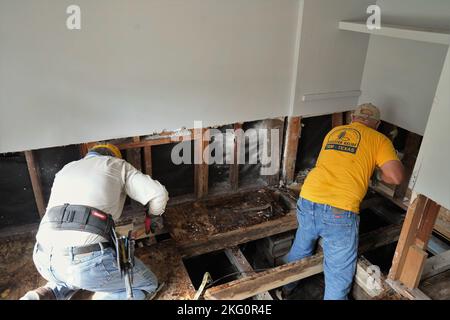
[[80, 218], [75, 250]]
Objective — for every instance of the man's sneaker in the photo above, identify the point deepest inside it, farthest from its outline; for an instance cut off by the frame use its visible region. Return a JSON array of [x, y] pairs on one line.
[[41, 293]]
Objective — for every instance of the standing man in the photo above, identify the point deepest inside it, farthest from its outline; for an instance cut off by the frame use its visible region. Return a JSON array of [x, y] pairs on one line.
[[74, 247], [331, 195]]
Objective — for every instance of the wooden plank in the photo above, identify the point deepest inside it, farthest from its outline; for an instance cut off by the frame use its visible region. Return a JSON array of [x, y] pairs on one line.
[[337, 119], [134, 157], [290, 149], [266, 280], [436, 264], [35, 177], [238, 260], [200, 167], [437, 287], [427, 223], [241, 263], [148, 161], [234, 167], [411, 294], [410, 255], [407, 236], [287, 273], [155, 141], [235, 237], [415, 261], [411, 151]]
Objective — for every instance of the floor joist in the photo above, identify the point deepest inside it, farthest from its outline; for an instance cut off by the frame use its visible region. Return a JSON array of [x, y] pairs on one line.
[[287, 273], [242, 265]]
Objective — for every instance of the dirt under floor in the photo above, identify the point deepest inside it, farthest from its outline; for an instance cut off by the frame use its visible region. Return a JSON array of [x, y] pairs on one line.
[[19, 275]]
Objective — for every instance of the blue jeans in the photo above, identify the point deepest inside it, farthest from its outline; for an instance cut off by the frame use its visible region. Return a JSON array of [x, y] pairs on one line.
[[339, 230], [96, 272]]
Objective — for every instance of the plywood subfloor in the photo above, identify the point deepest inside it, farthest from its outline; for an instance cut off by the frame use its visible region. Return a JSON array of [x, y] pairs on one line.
[[202, 219]]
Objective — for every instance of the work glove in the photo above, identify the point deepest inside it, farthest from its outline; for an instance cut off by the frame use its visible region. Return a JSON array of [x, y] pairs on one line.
[[157, 223], [153, 223]]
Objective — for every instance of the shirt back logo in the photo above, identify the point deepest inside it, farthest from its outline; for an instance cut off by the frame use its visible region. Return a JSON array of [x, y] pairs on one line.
[[344, 140]]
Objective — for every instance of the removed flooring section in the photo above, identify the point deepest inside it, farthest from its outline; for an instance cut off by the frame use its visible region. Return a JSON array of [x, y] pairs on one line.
[[276, 277], [222, 222], [165, 261]]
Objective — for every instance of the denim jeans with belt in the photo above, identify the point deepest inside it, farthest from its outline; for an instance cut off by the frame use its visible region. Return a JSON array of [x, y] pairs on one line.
[[96, 272], [339, 230]]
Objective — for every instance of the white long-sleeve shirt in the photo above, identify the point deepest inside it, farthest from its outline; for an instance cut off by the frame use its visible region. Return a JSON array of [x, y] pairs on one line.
[[101, 182]]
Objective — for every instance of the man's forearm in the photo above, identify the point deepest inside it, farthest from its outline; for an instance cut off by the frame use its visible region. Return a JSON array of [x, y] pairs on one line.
[[157, 205]]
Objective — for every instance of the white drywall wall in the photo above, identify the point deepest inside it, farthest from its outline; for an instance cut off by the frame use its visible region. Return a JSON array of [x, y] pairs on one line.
[[330, 60], [401, 76], [140, 66], [431, 175]]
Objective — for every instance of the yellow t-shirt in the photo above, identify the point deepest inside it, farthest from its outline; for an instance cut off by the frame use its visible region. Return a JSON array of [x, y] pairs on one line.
[[346, 162]]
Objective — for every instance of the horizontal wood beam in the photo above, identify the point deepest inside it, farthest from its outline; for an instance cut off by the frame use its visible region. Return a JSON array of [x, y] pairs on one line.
[[287, 273], [436, 264], [154, 142], [266, 280], [411, 294], [235, 237], [163, 138]]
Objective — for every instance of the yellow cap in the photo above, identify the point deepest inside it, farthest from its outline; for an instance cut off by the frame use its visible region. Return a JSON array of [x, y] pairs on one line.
[[111, 147]]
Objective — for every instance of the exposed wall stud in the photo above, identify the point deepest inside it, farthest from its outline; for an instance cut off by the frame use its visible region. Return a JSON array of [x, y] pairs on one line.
[[290, 149], [35, 177]]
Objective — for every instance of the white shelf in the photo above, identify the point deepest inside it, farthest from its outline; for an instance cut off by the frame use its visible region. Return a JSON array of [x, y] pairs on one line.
[[402, 32]]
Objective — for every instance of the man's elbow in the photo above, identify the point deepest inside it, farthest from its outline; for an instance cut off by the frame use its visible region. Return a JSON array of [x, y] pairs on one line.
[[158, 203], [398, 177]]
